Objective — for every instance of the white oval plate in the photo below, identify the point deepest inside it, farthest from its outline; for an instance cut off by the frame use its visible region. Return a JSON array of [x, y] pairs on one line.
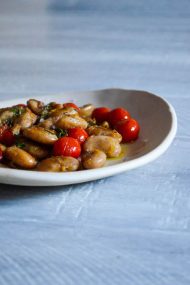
[[158, 123]]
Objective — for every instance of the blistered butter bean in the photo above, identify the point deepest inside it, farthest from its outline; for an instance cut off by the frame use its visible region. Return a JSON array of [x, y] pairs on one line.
[[40, 135], [20, 157], [58, 164], [110, 146], [94, 159]]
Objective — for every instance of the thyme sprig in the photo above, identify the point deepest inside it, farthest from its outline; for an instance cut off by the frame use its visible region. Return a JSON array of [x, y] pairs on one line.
[[46, 110], [61, 132]]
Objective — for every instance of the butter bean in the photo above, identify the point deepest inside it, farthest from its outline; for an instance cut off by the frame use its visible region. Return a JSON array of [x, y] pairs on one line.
[[40, 135], [20, 157]]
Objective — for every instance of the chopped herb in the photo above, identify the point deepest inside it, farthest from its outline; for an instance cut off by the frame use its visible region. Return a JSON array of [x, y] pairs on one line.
[[17, 110], [9, 122], [46, 110], [61, 133], [20, 144], [44, 115], [91, 122]]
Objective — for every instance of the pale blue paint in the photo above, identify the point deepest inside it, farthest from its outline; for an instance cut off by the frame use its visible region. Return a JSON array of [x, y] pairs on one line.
[[129, 229]]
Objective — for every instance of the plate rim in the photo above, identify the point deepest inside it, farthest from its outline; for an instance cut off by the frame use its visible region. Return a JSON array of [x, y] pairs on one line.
[[90, 174]]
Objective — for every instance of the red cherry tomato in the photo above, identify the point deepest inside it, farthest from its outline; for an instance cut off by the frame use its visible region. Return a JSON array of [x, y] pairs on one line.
[[6, 136], [70, 104], [117, 115], [100, 114], [67, 146], [21, 105], [129, 129], [1, 155], [78, 134]]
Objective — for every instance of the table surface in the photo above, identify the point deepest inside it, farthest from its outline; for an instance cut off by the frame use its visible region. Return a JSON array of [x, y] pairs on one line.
[[132, 228]]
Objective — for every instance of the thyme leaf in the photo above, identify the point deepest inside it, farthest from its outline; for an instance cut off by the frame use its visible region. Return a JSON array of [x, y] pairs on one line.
[[17, 110], [46, 110], [61, 132], [20, 144]]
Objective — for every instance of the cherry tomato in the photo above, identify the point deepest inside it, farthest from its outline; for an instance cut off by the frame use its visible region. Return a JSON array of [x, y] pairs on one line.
[[117, 115], [21, 105], [100, 114], [70, 104], [1, 155], [129, 129], [6, 136], [67, 146], [78, 134]]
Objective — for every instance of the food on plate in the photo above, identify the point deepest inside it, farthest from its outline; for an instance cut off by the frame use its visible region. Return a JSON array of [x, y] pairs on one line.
[[117, 115], [58, 164], [110, 146], [78, 133], [67, 146], [129, 129], [19, 157], [61, 137], [93, 159], [101, 114]]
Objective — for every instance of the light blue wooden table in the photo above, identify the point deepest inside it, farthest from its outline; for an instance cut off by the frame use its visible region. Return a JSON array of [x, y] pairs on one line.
[[133, 228]]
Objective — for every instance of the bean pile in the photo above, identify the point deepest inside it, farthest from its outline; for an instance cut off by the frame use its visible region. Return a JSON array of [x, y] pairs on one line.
[[62, 137]]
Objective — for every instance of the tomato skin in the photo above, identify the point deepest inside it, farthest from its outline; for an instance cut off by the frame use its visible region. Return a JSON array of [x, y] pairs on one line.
[[101, 114], [21, 105], [70, 104], [117, 115], [67, 146], [6, 136], [129, 129], [78, 134]]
